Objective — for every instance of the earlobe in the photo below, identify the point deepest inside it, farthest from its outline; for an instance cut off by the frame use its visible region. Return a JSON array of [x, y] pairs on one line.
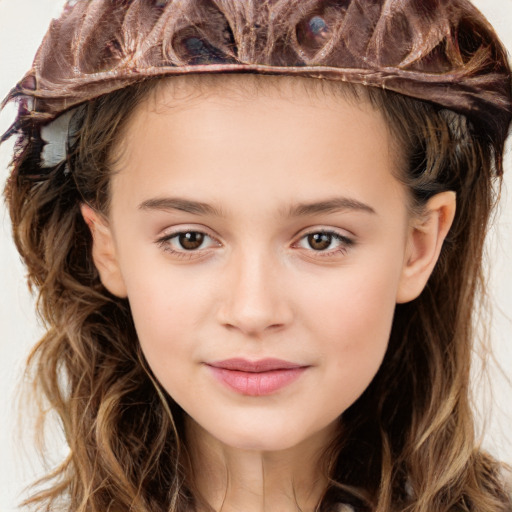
[[425, 240], [104, 251]]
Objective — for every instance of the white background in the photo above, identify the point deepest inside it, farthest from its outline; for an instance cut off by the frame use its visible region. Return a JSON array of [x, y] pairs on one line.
[[22, 25]]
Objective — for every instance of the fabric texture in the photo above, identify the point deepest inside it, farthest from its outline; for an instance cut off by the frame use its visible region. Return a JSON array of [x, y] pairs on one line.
[[441, 51]]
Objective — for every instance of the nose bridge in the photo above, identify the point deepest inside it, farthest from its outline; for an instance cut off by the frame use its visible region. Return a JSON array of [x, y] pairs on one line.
[[255, 299]]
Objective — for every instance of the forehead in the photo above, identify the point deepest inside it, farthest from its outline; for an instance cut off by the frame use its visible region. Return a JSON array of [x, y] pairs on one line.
[[199, 100], [249, 135]]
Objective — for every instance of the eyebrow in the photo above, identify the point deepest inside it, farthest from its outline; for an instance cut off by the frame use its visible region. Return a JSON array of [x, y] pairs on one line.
[[336, 204], [297, 210], [180, 204]]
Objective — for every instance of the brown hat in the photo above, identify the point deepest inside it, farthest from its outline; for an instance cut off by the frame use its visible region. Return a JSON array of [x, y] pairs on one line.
[[441, 51]]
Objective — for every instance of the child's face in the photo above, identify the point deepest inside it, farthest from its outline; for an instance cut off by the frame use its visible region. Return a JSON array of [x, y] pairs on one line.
[[270, 227]]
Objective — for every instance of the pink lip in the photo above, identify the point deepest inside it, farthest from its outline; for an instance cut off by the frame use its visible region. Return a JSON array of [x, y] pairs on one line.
[[256, 378]]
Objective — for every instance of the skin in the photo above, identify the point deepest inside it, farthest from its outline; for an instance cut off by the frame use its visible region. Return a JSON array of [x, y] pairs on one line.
[[256, 287]]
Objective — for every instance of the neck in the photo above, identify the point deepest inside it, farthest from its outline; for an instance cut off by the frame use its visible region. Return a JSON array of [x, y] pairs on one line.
[[235, 480]]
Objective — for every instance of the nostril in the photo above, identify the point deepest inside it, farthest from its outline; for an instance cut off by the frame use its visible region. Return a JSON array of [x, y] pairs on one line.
[[252, 322], [253, 330]]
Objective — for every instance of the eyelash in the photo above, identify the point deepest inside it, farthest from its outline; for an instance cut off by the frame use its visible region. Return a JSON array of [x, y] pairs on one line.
[[345, 243], [165, 243]]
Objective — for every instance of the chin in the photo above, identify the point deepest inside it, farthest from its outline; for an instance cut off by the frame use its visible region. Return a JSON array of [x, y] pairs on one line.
[[268, 437], [260, 441]]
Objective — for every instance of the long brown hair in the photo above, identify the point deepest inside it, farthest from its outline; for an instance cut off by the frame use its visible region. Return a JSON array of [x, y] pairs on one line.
[[407, 443], [123, 430]]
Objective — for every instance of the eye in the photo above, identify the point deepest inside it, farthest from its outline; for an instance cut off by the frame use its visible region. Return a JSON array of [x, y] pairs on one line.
[[183, 242], [190, 241], [329, 242]]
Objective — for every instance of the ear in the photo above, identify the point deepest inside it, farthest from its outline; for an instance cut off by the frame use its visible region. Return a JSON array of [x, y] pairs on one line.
[[104, 252], [425, 240]]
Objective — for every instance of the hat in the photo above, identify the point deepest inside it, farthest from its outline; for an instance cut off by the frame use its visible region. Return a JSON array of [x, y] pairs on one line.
[[440, 51]]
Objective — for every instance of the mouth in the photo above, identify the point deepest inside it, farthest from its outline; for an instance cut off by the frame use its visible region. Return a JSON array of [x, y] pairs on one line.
[[256, 378]]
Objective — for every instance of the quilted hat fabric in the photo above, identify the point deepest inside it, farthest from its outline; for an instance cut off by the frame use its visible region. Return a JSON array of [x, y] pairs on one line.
[[442, 51]]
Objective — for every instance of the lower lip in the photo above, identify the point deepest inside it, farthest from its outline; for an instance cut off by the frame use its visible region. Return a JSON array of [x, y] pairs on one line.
[[257, 383]]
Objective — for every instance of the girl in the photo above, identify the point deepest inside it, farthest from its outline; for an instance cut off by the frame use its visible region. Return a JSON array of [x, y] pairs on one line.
[[256, 229]]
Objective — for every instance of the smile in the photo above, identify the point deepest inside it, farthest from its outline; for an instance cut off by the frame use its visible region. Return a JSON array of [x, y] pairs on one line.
[[256, 378]]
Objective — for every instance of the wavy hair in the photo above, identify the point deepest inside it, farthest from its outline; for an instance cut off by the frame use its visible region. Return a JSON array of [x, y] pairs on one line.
[[407, 444]]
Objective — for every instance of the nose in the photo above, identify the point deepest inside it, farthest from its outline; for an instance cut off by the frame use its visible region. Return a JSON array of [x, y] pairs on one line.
[[255, 298]]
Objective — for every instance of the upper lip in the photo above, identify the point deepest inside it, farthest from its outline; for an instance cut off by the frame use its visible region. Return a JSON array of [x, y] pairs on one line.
[[262, 365]]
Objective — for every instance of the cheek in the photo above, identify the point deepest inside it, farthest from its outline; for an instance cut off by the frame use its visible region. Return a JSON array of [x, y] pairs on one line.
[[353, 303], [166, 308], [166, 338], [351, 323], [169, 308]]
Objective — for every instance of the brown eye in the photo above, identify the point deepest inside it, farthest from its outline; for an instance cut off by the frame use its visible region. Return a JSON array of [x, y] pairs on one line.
[[319, 241], [192, 244], [325, 243], [191, 240]]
